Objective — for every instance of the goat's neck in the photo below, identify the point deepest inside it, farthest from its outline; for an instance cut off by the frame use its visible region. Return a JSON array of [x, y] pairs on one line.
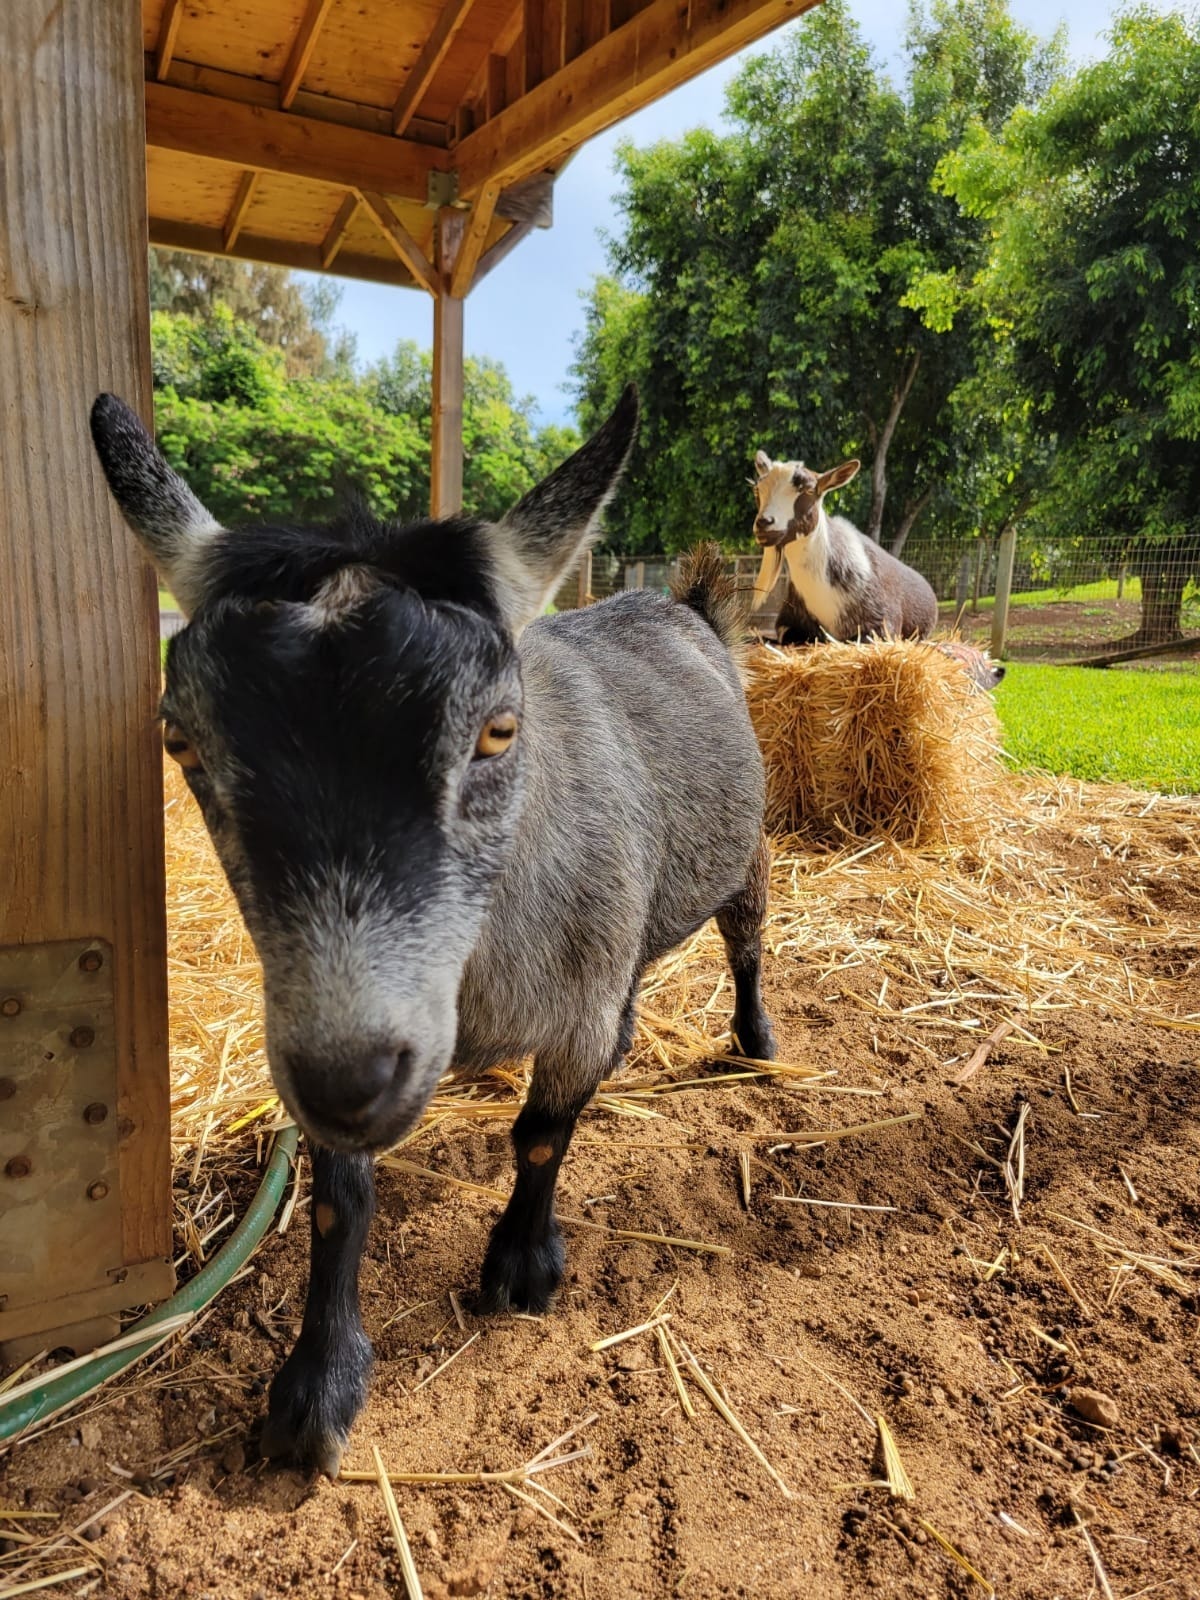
[[811, 551]]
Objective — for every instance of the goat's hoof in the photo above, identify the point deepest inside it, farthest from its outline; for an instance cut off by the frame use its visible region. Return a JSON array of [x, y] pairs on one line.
[[521, 1276], [754, 1039], [314, 1401]]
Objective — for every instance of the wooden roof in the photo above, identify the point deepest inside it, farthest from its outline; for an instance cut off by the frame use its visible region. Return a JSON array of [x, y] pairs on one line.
[[328, 134]]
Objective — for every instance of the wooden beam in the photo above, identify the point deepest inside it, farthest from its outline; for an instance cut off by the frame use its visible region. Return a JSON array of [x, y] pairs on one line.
[[574, 29], [473, 240], [238, 210], [503, 247], [303, 46], [279, 141], [168, 33], [544, 25], [661, 47], [401, 241], [449, 21], [446, 464], [320, 108], [597, 21], [81, 807], [332, 241], [494, 98], [207, 241]]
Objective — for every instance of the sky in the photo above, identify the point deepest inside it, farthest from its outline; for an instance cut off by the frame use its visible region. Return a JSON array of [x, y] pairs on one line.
[[529, 310]]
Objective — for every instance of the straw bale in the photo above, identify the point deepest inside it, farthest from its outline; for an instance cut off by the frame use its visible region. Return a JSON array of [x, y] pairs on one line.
[[886, 739]]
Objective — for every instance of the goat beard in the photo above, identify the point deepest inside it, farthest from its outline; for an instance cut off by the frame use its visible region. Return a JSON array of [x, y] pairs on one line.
[[775, 557]]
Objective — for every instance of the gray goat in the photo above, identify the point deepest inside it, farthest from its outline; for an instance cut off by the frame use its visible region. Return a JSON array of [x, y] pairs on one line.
[[458, 831]]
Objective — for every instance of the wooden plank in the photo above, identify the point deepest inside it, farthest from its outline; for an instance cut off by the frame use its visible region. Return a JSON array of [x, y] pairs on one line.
[[208, 241], [401, 241], [279, 141], [503, 247], [1006, 555], [661, 47], [574, 38], [446, 465], [473, 240], [332, 241], [452, 17], [1172, 647], [238, 210], [494, 99], [544, 25], [316, 107], [168, 33], [81, 820], [302, 48], [597, 21]]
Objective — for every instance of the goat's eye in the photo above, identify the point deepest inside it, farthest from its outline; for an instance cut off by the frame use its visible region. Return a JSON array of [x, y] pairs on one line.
[[496, 736], [179, 747]]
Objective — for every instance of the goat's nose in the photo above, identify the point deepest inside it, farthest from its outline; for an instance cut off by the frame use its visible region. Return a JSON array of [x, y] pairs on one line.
[[765, 521], [347, 1093]]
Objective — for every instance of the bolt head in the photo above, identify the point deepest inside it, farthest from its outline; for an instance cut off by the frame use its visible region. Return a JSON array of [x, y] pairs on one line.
[[11, 1007], [91, 961], [18, 1167], [7, 1088], [97, 1190], [95, 1113], [81, 1038]]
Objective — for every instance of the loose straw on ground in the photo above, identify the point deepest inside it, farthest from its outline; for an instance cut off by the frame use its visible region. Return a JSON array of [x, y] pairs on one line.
[[408, 1567], [722, 1406]]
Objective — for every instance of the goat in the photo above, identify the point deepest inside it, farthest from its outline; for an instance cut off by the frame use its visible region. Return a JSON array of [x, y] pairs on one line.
[[458, 831], [840, 583], [983, 672]]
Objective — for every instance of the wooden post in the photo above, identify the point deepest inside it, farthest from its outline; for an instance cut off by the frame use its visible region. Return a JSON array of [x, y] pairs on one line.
[[639, 575], [446, 466], [584, 594], [85, 1173], [980, 554], [963, 588], [1005, 556]]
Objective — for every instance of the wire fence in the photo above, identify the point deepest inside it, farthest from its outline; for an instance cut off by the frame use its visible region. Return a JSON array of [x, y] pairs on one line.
[[1073, 601]]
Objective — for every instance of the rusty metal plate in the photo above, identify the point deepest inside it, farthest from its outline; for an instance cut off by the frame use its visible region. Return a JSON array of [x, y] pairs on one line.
[[60, 1201]]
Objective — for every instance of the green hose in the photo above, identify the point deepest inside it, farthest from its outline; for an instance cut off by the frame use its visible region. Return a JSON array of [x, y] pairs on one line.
[[57, 1393]]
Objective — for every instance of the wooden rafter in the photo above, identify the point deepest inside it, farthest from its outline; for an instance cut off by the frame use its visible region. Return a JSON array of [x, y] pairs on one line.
[[239, 208], [303, 46], [279, 141], [332, 241], [449, 21], [401, 241], [650, 54], [545, 22], [206, 241], [474, 238], [168, 32]]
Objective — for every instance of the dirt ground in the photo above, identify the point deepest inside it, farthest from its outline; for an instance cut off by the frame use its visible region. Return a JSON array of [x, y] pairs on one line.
[[969, 1331], [1057, 630]]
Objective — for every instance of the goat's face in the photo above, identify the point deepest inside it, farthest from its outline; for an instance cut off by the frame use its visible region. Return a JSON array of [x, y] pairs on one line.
[[347, 709], [789, 497]]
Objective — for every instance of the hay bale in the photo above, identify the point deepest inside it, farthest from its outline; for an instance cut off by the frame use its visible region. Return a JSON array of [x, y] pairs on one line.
[[888, 738]]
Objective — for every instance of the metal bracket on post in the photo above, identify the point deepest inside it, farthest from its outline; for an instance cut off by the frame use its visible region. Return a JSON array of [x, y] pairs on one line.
[[441, 190]]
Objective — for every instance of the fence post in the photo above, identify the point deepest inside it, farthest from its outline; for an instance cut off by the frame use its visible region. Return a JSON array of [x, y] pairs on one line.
[[639, 575], [963, 587], [980, 552], [585, 579], [1005, 556]]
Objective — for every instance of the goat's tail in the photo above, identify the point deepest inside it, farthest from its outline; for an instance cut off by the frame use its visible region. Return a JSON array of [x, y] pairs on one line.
[[703, 584]]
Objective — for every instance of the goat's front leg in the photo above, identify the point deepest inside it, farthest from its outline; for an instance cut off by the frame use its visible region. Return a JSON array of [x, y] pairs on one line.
[[322, 1385]]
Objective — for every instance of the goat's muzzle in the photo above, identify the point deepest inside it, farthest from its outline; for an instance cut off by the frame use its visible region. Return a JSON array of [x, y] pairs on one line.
[[768, 534], [364, 1102]]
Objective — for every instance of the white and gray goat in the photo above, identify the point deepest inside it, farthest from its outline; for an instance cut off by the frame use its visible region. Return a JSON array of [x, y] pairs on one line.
[[841, 584], [458, 831]]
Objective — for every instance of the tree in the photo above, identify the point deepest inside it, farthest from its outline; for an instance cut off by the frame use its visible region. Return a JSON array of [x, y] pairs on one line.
[[295, 318], [771, 286], [1092, 289]]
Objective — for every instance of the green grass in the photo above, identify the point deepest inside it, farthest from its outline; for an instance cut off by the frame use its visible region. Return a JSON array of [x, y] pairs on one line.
[[1104, 724], [1102, 589]]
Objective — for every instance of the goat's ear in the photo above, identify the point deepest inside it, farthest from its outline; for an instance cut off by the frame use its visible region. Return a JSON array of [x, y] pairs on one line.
[[762, 463], [171, 524], [545, 533], [837, 476]]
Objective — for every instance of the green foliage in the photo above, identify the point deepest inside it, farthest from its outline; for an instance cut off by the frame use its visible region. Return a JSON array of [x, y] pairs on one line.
[[796, 284], [1114, 725], [1092, 289], [254, 443]]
